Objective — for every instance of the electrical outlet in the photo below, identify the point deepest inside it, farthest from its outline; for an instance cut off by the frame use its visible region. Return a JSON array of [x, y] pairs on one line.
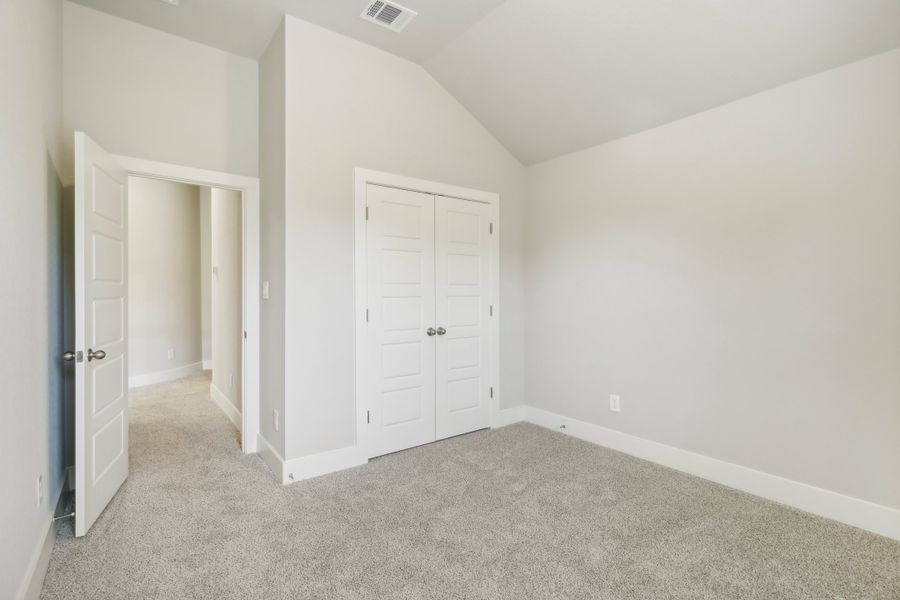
[[615, 403], [275, 420], [265, 290], [231, 381], [171, 354], [40, 490]]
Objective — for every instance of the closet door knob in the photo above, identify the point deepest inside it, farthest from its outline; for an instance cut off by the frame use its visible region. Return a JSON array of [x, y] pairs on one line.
[[441, 331], [430, 331]]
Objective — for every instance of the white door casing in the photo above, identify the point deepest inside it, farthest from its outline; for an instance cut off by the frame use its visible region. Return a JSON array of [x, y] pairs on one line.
[[401, 303], [462, 294], [101, 401]]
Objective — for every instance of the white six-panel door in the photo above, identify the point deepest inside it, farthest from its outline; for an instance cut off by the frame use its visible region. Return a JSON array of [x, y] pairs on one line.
[[462, 270], [400, 239], [101, 404], [427, 349]]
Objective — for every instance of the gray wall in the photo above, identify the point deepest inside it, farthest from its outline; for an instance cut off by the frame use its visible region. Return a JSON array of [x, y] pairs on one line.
[[31, 302], [164, 309], [141, 92], [735, 277], [272, 236], [351, 105]]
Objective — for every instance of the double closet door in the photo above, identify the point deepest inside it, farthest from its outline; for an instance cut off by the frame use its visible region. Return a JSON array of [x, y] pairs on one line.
[[427, 372]]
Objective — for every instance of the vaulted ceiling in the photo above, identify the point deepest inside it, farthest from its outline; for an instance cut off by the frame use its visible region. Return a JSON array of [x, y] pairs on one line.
[[551, 77]]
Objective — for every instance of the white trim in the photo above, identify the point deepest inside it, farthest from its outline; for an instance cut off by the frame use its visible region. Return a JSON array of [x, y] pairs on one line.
[[364, 177], [271, 457], [866, 515], [33, 582], [249, 186], [307, 467], [136, 381], [207, 365], [222, 401]]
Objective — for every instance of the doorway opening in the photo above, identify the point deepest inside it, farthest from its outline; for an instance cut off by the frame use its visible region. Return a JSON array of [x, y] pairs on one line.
[[185, 292]]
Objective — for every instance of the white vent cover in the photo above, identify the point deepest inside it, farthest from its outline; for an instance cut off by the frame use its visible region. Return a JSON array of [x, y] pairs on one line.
[[387, 14]]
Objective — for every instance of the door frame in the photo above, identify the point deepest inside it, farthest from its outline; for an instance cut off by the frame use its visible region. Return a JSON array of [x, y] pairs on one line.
[[249, 188], [365, 177]]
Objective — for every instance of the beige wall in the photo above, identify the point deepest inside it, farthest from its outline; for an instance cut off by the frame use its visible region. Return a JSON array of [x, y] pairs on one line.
[[164, 308], [140, 92], [351, 105], [31, 372], [226, 293], [735, 277]]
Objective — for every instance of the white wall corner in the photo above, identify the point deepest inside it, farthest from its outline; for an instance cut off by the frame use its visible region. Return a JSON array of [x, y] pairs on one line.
[[207, 365], [508, 416], [225, 405], [866, 515]]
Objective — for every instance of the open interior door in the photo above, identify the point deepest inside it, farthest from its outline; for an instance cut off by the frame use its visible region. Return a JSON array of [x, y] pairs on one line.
[[101, 368]]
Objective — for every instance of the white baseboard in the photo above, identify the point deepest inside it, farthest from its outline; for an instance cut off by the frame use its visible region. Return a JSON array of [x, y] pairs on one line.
[[307, 467], [866, 515], [271, 457], [30, 588], [163, 376], [508, 416], [222, 401], [207, 365]]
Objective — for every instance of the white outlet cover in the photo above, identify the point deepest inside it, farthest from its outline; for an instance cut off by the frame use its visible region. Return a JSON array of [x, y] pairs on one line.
[[171, 353], [265, 290], [615, 403], [275, 419]]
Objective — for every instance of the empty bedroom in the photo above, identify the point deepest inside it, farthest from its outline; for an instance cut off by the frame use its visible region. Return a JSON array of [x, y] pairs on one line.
[[366, 299]]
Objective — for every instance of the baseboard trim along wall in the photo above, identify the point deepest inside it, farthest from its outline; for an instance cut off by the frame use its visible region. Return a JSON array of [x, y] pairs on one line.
[[307, 467], [30, 588], [163, 376], [866, 515], [225, 405]]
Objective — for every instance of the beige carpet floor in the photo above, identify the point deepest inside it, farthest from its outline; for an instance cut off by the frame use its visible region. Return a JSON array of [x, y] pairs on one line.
[[519, 512]]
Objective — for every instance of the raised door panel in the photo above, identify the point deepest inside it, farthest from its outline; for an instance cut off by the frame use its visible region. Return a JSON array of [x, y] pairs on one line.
[[400, 298], [462, 295]]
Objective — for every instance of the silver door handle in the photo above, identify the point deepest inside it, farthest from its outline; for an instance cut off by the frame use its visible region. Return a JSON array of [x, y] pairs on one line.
[[99, 354], [430, 331], [441, 331], [69, 355]]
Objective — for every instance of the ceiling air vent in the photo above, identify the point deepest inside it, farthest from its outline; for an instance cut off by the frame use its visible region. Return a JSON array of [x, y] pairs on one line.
[[387, 14]]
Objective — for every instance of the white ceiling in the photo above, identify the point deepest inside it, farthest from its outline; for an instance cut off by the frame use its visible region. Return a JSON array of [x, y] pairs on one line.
[[245, 26], [548, 77]]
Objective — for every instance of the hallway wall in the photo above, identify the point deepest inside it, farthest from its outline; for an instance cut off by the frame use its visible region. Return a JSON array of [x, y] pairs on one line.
[[164, 311], [226, 294]]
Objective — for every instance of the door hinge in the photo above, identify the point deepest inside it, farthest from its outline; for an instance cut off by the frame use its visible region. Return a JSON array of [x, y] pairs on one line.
[[245, 335], [492, 392], [367, 315], [368, 417], [491, 228], [491, 310], [367, 213]]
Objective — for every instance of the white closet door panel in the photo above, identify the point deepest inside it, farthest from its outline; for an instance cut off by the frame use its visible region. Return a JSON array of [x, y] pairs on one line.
[[401, 361], [462, 275]]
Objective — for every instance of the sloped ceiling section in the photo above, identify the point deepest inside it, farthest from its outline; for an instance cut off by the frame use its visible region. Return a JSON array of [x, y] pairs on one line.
[[551, 77], [548, 77]]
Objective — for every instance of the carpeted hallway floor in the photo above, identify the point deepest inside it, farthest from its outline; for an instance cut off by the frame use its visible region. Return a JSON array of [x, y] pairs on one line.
[[518, 513]]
